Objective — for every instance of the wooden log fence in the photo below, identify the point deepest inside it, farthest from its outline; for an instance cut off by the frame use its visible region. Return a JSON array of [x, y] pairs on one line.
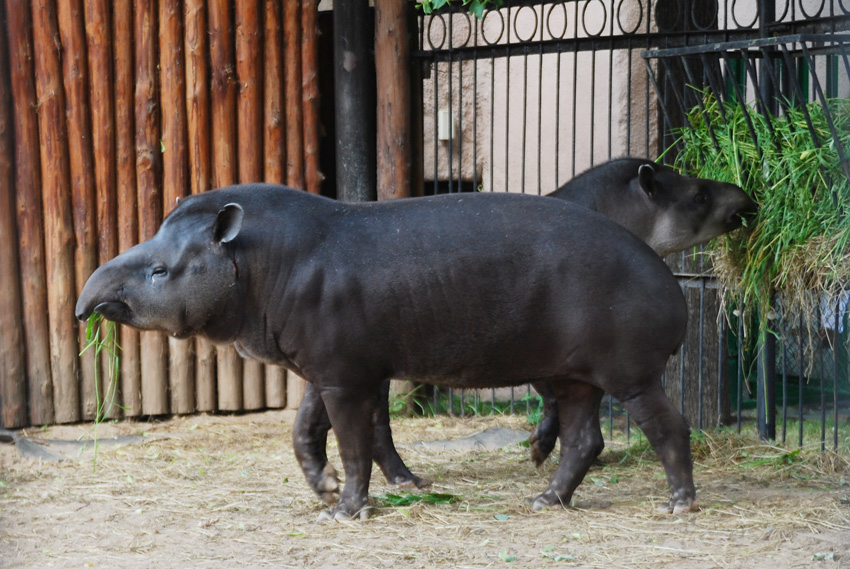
[[110, 111]]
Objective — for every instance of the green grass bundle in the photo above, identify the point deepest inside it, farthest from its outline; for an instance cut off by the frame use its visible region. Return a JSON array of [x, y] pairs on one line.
[[797, 246]]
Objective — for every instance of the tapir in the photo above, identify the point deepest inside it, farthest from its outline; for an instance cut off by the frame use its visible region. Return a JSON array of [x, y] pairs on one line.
[[670, 212], [464, 290]]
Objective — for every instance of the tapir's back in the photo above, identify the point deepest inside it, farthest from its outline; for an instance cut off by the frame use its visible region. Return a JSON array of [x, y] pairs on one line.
[[477, 289]]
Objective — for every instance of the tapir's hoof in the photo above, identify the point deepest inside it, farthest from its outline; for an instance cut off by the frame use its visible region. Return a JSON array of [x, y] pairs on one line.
[[327, 484], [339, 514], [541, 444], [411, 481], [679, 507], [546, 500]]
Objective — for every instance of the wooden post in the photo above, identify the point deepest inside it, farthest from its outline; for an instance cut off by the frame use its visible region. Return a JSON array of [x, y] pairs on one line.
[[292, 88], [81, 160], [294, 138], [99, 42], [274, 150], [223, 97], [56, 195], [354, 85], [392, 66], [197, 115], [310, 94], [13, 380], [127, 200], [250, 147], [175, 180], [29, 213], [153, 344]]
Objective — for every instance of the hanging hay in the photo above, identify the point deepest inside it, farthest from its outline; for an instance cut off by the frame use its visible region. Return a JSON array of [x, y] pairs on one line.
[[797, 247], [222, 491]]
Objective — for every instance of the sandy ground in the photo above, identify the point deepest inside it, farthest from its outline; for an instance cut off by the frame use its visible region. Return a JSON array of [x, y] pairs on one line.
[[226, 491]]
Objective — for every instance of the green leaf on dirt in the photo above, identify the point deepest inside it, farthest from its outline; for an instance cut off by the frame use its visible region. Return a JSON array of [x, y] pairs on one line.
[[503, 555], [408, 499], [502, 517]]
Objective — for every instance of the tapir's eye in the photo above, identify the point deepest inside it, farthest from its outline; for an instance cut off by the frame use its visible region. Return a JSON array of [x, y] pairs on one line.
[[701, 197], [159, 273]]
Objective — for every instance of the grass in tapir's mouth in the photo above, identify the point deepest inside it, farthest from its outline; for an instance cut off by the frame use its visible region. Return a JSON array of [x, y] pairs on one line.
[[102, 337]]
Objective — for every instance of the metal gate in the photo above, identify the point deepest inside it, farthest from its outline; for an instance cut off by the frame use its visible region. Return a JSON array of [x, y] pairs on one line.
[[537, 92]]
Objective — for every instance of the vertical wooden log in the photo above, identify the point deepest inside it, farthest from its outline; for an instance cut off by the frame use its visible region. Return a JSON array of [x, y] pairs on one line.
[[30, 213], [99, 44], [392, 66], [392, 69], [127, 200], [250, 147], [294, 100], [58, 217], [223, 99], [81, 160], [310, 93], [294, 137], [175, 178], [13, 380], [274, 150], [153, 344], [197, 118]]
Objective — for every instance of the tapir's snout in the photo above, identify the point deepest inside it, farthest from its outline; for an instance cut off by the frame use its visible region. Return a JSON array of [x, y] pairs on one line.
[[101, 295], [744, 210]]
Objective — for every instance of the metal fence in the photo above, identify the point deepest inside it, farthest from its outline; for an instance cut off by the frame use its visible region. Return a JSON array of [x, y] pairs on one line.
[[537, 92]]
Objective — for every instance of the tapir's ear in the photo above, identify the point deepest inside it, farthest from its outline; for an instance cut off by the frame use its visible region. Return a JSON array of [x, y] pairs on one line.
[[228, 222], [646, 176]]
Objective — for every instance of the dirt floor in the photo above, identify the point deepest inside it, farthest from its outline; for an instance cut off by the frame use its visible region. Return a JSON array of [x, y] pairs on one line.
[[226, 491]]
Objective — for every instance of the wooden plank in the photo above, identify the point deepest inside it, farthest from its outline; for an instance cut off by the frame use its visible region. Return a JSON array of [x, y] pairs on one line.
[[223, 110], [153, 344], [250, 147], [198, 117], [58, 217], [30, 213], [175, 177], [274, 150], [392, 66], [294, 118], [13, 380], [81, 161], [99, 45], [310, 93], [294, 99], [127, 200]]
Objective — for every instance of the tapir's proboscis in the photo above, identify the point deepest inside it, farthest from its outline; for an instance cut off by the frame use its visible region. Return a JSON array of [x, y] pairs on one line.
[[465, 290], [668, 211]]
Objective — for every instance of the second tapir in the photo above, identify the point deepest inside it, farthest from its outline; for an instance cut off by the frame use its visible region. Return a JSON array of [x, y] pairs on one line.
[[349, 295], [668, 211]]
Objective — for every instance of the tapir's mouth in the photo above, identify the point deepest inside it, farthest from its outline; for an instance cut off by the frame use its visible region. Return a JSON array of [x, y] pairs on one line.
[[114, 310]]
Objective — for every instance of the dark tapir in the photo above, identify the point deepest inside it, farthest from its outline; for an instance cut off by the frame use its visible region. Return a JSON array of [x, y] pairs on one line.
[[668, 211], [464, 290]]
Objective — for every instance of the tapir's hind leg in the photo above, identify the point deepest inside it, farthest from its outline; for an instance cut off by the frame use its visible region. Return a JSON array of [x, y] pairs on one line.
[[669, 435], [543, 439], [581, 441], [310, 441]]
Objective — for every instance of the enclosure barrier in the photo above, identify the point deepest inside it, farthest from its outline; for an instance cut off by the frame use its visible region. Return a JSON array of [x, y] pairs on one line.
[[536, 92], [109, 112]]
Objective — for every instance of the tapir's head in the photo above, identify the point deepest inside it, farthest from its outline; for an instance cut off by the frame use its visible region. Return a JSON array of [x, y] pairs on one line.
[[682, 212], [183, 281]]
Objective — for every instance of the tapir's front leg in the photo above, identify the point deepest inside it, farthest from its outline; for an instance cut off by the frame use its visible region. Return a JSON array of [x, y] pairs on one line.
[[352, 412]]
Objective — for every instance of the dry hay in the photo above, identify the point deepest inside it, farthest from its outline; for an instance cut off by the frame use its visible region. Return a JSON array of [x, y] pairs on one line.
[[221, 491]]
